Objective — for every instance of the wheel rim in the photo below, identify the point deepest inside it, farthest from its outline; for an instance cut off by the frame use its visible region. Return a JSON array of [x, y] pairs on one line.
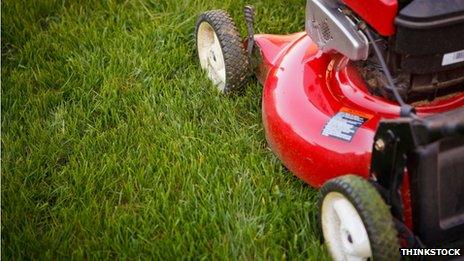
[[344, 231], [210, 54]]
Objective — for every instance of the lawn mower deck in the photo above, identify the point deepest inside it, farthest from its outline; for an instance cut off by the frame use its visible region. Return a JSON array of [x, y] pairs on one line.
[[326, 118], [318, 113]]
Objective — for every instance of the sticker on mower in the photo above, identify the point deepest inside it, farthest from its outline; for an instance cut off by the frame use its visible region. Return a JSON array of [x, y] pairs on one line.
[[343, 126], [454, 57]]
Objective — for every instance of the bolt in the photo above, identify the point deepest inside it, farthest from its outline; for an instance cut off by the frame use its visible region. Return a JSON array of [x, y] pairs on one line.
[[379, 145]]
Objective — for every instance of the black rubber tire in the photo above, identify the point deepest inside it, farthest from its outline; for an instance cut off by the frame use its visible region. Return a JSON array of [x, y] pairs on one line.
[[373, 211], [233, 50]]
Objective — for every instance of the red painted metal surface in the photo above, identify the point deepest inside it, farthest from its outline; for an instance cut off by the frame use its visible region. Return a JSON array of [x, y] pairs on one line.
[[303, 89], [272, 47], [380, 14]]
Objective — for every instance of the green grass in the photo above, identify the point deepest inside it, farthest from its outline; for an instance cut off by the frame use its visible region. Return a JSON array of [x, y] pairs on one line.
[[114, 143]]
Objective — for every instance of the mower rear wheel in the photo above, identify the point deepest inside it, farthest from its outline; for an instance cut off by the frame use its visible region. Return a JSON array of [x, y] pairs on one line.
[[221, 51], [356, 222]]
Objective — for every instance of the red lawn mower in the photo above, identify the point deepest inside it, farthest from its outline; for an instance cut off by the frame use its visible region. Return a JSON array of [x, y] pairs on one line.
[[368, 105]]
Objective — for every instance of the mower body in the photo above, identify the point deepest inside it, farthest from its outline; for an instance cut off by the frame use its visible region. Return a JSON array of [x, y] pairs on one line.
[[322, 121], [304, 89], [368, 105]]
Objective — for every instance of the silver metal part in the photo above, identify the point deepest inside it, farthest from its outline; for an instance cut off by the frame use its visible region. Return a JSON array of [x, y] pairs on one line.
[[331, 30]]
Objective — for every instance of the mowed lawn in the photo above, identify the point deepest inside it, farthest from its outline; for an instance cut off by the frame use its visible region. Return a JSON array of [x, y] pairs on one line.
[[115, 145]]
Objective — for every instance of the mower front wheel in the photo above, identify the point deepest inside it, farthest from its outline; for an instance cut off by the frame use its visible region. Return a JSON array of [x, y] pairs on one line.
[[356, 222], [221, 51]]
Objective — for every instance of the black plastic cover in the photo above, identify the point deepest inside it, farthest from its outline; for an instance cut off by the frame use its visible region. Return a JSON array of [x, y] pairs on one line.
[[426, 31], [432, 149], [437, 194], [426, 14]]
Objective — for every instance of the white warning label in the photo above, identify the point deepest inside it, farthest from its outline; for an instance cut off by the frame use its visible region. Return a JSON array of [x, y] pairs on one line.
[[454, 57], [343, 126]]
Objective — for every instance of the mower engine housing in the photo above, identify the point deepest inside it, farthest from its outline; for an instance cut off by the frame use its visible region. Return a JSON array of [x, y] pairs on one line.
[[331, 29], [430, 36], [425, 55]]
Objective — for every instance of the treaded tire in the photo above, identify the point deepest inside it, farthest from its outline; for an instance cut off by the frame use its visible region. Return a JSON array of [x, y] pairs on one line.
[[232, 48], [372, 210]]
